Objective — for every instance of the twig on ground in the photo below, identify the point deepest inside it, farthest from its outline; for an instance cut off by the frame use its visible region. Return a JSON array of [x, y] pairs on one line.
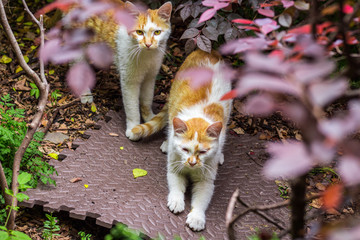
[[55, 113]]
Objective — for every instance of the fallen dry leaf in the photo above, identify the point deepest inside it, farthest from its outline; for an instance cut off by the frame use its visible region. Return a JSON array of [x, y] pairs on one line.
[[320, 186], [63, 128], [316, 203], [21, 85], [114, 134], [239, 130], [264, 136], [298, 136], [74, 180]]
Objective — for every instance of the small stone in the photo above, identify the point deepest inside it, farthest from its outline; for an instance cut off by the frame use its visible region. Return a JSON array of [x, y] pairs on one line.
[[56, 137]]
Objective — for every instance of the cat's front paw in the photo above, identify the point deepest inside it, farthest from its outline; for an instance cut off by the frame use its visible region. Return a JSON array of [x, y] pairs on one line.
[[131, 135], [196, 220], [86, 97], [176, 202]]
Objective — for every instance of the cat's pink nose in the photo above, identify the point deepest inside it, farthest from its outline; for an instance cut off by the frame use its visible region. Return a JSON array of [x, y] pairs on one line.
[[147, 45], [192, 163]]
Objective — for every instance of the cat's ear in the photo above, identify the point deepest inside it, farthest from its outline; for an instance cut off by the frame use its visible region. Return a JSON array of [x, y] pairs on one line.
[[214, 130], [165, 11], [132, 8], [179, 125]]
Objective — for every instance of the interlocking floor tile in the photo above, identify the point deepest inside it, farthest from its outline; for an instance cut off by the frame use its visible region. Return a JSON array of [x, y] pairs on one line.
[[113, 195]]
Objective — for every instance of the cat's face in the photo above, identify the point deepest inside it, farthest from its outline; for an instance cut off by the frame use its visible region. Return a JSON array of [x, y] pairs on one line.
[[152, 27], [195, 141]]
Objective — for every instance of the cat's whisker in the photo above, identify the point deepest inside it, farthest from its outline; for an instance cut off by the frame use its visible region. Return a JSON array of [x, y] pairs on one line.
[[133, 52]]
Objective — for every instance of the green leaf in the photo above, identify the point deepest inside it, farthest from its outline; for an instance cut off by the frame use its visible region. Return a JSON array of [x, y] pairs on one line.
[[26, 58], [4, 235], [24, 177], [28, 23], [51, 72], [93, 107], [33, 85], [137, 172], [21, 197], [20, 235], [9, 192], [19, 19], [5, 59]]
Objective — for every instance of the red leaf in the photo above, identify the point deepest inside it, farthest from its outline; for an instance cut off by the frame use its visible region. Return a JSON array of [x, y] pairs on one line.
[[301, 30], [322, 26], [250, 28], [229, 95], [348, 9], [274, 3], [62, 5], [332, 196], [207, 15], [243, 21], [266, 12]]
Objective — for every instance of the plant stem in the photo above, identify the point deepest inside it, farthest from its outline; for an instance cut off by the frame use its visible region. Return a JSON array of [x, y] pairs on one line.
[[4, 185], [298, 204]]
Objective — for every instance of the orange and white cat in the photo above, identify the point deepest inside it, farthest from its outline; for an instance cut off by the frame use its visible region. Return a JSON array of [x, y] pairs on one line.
[[138, 56], [197, 124]]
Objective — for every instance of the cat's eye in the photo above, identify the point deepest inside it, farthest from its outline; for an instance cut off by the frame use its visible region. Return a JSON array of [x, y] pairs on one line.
[[185, 150], [203, 151], [139, 32], [157, 32]]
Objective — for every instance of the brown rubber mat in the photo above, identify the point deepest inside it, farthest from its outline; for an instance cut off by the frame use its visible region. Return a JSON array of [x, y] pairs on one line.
[[109, 193]]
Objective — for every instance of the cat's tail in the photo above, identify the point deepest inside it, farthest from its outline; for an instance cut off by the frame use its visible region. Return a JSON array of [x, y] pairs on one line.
[[157, 123]]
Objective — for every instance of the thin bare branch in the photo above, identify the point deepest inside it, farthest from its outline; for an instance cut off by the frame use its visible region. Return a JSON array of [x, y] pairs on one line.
[[43, 87], [267, 218], [256, 209], [3, 184]]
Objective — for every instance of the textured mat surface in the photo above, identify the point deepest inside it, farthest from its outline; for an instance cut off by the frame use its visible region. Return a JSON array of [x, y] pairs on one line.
[[109, 193]]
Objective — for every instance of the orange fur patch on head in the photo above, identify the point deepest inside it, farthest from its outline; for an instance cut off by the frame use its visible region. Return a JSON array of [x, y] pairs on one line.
[[155, 18], [196, 128]]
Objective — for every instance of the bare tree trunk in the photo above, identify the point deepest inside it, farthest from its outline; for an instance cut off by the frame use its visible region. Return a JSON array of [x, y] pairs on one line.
[[43, 87]]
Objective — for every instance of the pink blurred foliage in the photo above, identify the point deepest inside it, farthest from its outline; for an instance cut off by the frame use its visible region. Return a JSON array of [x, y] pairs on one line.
[[348, 234], [287, 160], [100, 55], [266, 12], [198, 76], [80, 77], [287, 3], [216, 5]]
